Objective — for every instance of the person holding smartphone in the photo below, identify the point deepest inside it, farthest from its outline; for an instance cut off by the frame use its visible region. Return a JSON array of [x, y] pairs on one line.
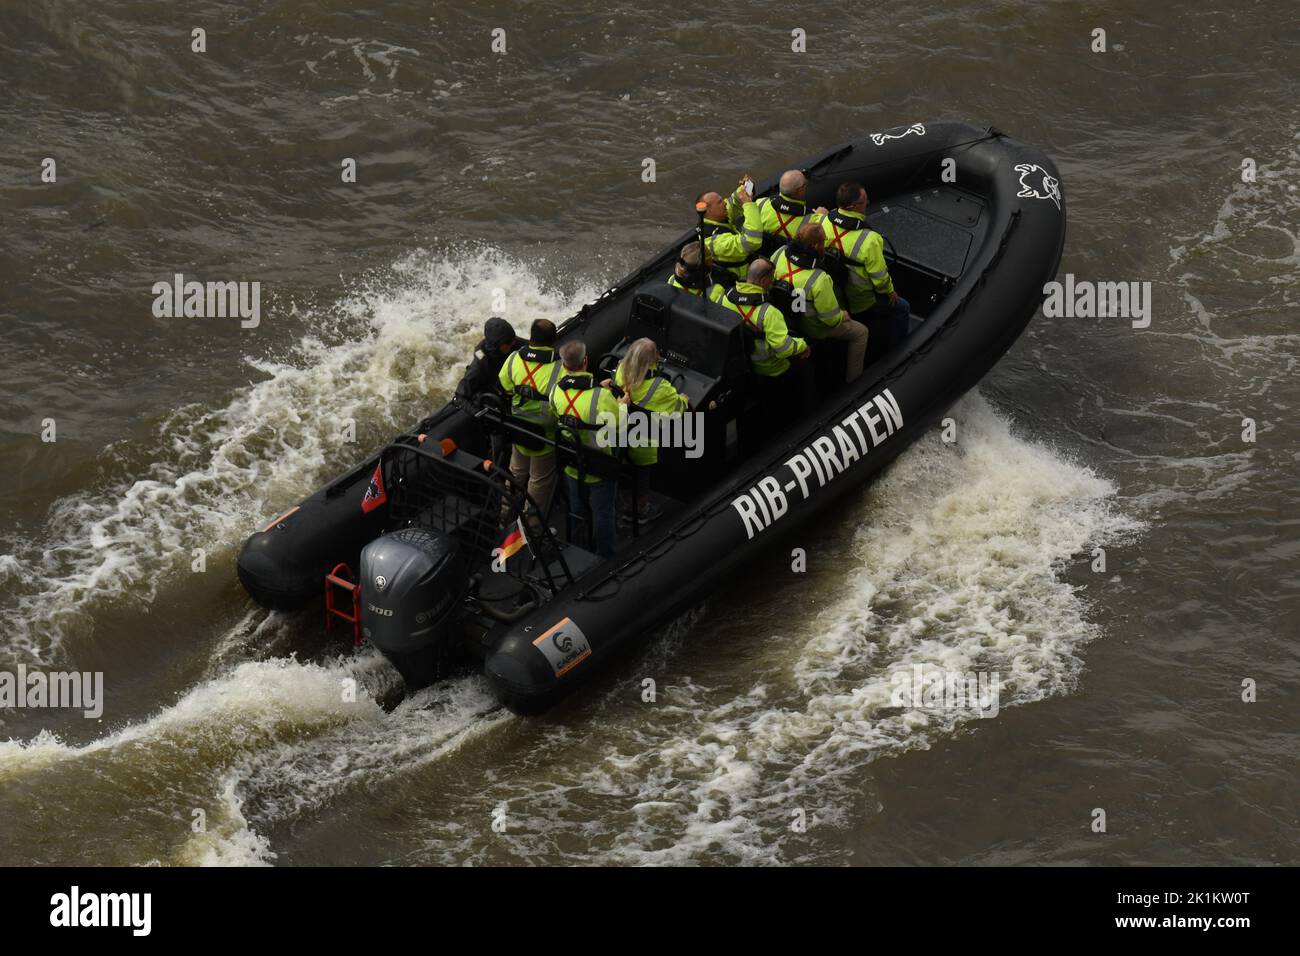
[[733, 230]]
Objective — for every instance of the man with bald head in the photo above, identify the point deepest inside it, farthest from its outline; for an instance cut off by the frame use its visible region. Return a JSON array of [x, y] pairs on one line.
[[776, 357], [785, 214], [733, 232]]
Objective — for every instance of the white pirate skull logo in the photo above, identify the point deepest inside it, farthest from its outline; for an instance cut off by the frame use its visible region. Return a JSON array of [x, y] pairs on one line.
[[1038, 183], [917, 129]]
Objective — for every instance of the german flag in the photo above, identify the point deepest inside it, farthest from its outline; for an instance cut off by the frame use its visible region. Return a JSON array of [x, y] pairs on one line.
[[513, 543]]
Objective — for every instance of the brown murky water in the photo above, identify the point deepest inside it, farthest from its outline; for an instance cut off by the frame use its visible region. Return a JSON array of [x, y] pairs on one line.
[[518, 176]]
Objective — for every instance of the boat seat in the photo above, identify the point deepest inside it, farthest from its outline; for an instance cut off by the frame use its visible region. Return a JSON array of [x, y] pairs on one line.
[[781, 297], [700, 340]]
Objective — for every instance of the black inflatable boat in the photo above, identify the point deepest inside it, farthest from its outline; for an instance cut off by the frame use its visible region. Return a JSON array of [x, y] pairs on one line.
[[970, 243]]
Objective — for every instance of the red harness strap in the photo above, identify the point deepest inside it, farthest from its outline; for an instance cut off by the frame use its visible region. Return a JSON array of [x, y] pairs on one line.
[[745, 316], [784, 224], [791, 272], [529, 373], [837, 240], [569, 409]]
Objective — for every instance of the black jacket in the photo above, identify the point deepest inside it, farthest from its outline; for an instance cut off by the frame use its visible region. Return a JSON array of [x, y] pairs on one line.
[[482, 375]]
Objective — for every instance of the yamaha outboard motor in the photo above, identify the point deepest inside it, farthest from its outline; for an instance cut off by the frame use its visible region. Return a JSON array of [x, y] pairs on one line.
[[413, 583]]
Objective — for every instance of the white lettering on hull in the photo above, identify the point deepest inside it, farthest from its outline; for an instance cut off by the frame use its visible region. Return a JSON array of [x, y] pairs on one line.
[[823, 459]]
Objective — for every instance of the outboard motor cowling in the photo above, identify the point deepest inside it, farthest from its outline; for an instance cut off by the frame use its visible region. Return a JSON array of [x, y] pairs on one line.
[[413, 583]]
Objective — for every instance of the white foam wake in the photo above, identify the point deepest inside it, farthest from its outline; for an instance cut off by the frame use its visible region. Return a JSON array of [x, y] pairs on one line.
[[955, 567], [292, 734], [388, 354]]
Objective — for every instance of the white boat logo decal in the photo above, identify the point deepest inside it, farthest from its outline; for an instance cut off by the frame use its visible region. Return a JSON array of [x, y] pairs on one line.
[[916, 128], [1038, 183]]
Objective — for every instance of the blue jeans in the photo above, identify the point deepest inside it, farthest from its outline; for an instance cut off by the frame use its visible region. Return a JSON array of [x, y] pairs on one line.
[[602, 496], [887, 325]]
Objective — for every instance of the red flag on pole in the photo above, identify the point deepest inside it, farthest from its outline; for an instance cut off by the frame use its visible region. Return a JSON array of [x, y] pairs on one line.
[[375, 493]]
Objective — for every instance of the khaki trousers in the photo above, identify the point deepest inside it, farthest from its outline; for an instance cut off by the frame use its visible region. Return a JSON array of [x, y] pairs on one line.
[[855, 334], [538, 473]]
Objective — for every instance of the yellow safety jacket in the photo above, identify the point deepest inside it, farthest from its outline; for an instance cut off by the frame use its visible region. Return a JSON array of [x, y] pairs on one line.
[[782, 216], [528, 377], [715, 292], [774, 346], [656, 394], [863, 251], [821, 306], [732, 245], [577, 401]]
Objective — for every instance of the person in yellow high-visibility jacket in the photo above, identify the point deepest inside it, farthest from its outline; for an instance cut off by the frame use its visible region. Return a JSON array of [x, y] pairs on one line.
[[690, 276], [733, 231], [642, 392], [798, 265], [869, 291], [784, 214], [774, 346], [528, 376], [783, 387], [582, 408]]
